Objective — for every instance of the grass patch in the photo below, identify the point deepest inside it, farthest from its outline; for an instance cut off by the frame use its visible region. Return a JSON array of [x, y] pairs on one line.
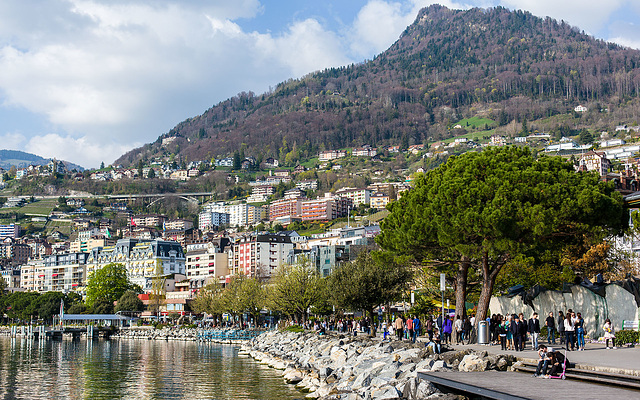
[[293, 328], [476, 123]]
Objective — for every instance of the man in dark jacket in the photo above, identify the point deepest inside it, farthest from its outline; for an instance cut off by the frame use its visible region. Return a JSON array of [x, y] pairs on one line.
[[550, 323], [516, 328], [534, 330]]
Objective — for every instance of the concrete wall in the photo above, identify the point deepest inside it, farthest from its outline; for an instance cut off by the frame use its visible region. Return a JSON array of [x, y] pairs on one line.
[[618, 305]]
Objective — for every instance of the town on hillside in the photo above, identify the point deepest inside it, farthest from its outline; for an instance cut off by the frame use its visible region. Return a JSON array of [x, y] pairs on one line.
[[271, 216]]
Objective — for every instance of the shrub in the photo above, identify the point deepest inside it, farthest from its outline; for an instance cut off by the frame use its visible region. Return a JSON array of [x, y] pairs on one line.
[[293, 328], [627, 337]]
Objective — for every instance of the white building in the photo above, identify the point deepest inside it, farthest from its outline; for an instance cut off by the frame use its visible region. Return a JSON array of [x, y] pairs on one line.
[[207, 263]]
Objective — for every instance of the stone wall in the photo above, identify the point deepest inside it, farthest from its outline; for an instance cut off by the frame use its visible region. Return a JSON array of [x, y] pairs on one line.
[[617, 305]]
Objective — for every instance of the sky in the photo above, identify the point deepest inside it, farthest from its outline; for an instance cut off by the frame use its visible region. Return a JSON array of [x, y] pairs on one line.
[[87, 80]]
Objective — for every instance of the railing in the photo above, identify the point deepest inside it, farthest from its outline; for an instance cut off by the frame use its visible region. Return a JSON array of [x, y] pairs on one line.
[[224, 335]]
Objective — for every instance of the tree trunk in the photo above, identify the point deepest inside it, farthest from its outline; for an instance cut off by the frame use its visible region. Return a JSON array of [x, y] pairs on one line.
[[461, 287], [372, 329], [488, 280]]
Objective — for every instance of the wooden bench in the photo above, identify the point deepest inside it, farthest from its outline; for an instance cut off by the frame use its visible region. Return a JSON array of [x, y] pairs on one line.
[[630, 325]]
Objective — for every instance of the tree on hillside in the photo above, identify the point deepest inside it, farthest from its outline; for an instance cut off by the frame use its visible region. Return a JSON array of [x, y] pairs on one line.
[[370, 280], [108, 283], [484, 210], [296, 288]]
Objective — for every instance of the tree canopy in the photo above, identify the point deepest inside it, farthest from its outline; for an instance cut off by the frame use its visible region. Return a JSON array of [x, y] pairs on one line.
[[109, 283], [485, 209], [129, 301], [370, 280], [296, 288]]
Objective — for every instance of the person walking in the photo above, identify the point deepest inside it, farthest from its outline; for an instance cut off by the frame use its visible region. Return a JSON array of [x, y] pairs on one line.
[[516, 328], [458, 328], [561, 326], [609, 333], [502, 334], [508, 323], [534, 330], [550, 323], [417, 327], [466, 330], [447, 329], [569, 331], [429, 327], [409, 325], [579, 325], [399, 326]]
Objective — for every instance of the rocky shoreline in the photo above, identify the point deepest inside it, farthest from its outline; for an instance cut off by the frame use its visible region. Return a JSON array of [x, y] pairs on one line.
[[333, 367]]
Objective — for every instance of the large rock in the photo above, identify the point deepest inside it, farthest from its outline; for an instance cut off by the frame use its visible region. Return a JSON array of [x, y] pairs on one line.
[[385, 393], [473, 363]]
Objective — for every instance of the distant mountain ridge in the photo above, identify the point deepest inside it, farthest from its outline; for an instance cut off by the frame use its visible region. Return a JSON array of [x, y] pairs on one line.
[[509, 66], [21, 159]]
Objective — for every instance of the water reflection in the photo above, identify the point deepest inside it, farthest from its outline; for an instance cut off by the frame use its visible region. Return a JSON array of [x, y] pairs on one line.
[[123, 369]]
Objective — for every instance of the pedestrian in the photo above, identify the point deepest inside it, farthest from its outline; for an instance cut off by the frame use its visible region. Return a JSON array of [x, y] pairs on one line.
[[550, 323], [502, 334], [447, 329], [561, 326], [399, 325], [417, 327], [609, 333], [429, 327], [508, 323], [580, 332], [409, 325], [534, 330], [516, 328], [466, 330], [458, 328], [569, 331]]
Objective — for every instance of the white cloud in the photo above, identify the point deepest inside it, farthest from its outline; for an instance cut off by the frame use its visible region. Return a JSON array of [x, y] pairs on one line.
[[85, 151], [12, 140], [590, 15], [379, 23]]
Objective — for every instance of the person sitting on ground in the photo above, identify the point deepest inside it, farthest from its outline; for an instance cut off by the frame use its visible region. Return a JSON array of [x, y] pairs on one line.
[[543, 360], [434, 344], [558, 363]]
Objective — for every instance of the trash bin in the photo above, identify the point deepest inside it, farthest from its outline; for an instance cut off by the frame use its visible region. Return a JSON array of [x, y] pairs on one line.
[[483, 332]]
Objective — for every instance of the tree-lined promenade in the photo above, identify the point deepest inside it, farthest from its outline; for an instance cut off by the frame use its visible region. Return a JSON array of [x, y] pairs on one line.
[[480, 216]]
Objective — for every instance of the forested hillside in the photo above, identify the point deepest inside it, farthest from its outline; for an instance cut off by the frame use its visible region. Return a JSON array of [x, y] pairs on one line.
[[448, 65]]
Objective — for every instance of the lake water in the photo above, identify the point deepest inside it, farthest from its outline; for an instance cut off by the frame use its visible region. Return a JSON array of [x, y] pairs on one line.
[[133, 369]]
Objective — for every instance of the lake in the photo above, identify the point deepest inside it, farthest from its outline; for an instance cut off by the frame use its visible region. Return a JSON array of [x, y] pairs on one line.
[[133, 369]]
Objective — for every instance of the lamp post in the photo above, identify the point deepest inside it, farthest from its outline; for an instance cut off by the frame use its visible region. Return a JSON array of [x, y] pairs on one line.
[[442, 287]]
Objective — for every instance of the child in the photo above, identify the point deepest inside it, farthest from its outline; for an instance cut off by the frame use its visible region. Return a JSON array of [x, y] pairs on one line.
[[608, 333]]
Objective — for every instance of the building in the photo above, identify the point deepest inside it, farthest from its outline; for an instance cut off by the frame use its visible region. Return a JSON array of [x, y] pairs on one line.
[[293, 193], [89, 239], [241, 214], [308, 184], [178, 224], [11, 230], [379, 200], [11, 278], [324, 258], [595, 161], [357, 196], [325, 208], [63, 272], [331, 155], [207, 262], [208, 220], [17, 253], [580, 109], [32, 275], [144, 259], [285, 208], [260, 194], [364, 151], [148, 220], [258, 256]]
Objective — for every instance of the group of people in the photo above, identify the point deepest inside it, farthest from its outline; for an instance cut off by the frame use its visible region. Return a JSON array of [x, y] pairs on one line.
[[405, 328], [511, 331], [570, 329], [462, 327], [548, 357]]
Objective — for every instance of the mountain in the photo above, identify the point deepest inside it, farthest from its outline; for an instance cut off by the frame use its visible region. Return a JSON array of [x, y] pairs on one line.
[[21, 159], [505, 66]]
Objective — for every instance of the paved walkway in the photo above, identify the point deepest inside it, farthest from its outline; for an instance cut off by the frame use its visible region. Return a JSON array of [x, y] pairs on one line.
[[594, 355], [524, 385]]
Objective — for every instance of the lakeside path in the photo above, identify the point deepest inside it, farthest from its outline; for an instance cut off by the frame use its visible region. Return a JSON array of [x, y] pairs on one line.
[[624, 360]]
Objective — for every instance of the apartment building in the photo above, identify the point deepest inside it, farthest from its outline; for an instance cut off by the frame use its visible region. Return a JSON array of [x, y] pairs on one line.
[[207, 262], [259, 255], [325, 208], [357, 196], [285, 208], [63, 272], [143, 259], [148, 219]]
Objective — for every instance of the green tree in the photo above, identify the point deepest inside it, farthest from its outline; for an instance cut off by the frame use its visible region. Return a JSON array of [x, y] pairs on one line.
[[237, 161], [209, 300], [483, 210], [102, 306], [129, 301], [108, 283], [372, 279], [151, 174], [585, 137], [296, 288]]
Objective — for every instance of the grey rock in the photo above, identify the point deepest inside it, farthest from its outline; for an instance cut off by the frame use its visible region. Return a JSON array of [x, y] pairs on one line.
[[385, 393]]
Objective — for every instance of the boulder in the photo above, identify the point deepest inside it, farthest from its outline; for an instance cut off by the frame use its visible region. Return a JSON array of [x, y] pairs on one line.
[[385, 393], [473, 363]]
